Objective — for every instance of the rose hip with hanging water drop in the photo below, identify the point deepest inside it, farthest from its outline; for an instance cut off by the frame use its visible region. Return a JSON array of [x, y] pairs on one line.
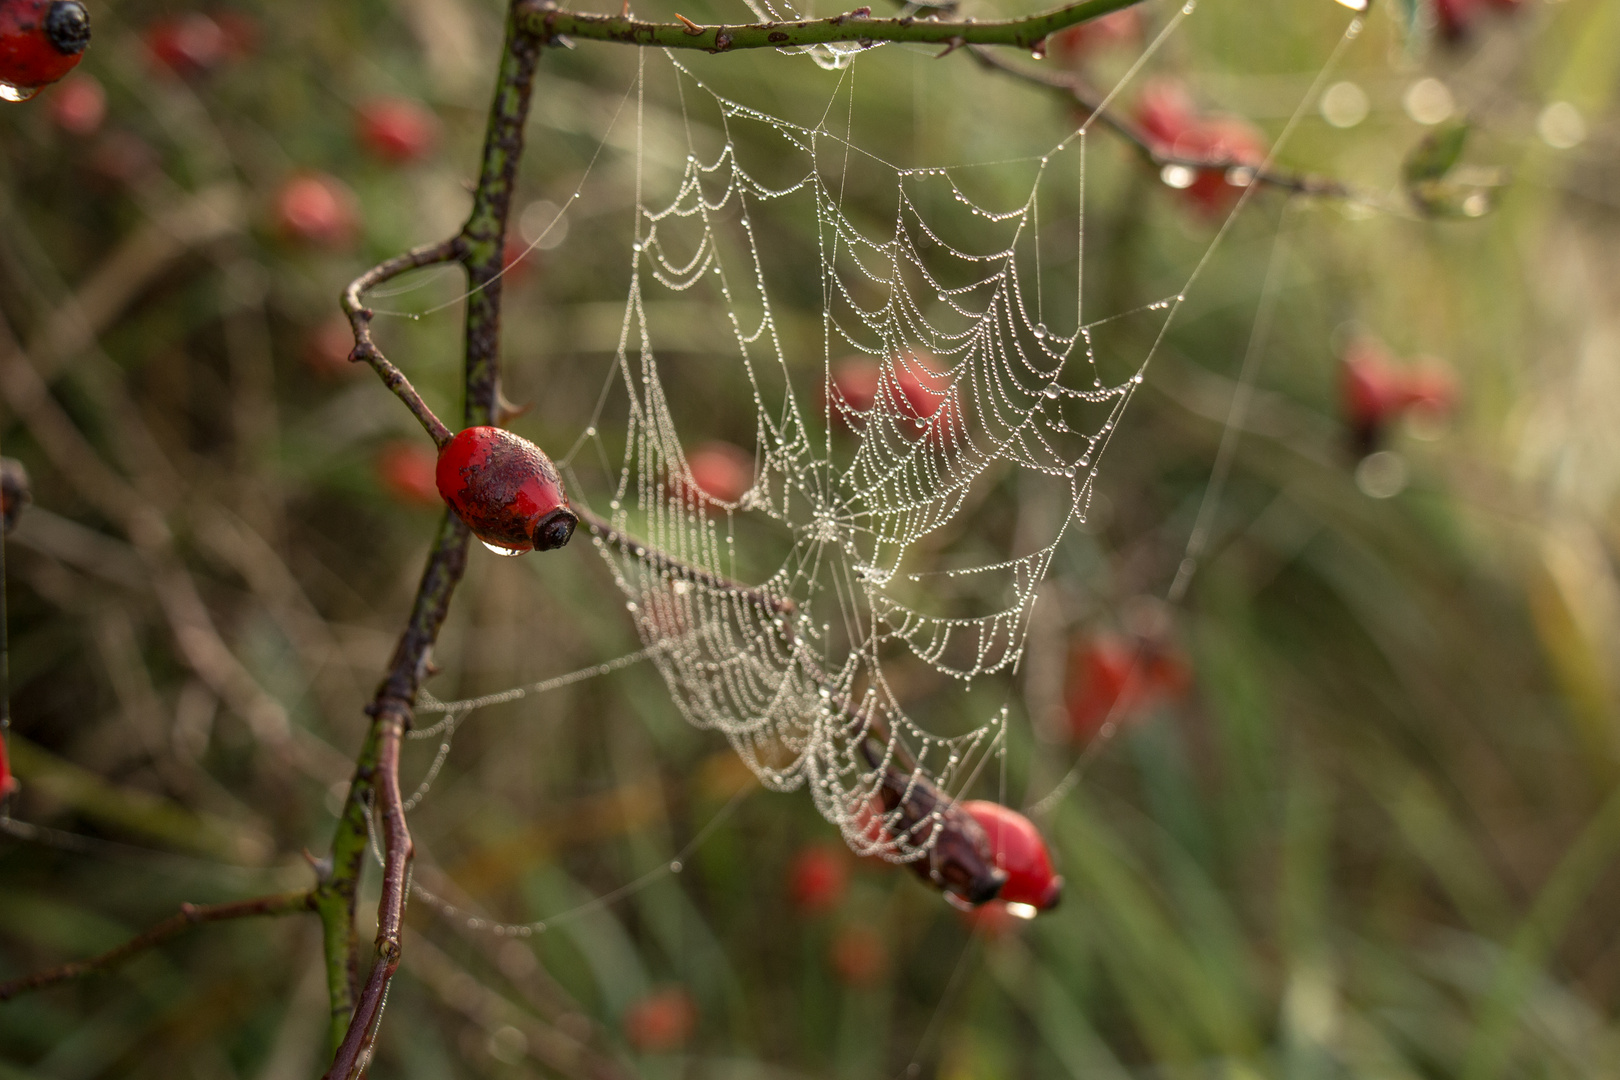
[[1020, 851], [506, 489], [40, 41]]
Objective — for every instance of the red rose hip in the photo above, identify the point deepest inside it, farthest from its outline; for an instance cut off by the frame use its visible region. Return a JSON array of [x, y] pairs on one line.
[[397, 130], [1021, 852], [40, 41], [506, 490]]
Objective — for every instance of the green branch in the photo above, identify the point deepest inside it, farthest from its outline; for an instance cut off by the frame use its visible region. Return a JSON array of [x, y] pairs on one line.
[[857, 26]]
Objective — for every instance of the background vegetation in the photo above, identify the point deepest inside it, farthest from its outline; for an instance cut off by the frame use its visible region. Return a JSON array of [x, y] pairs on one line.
[[1372, 831]]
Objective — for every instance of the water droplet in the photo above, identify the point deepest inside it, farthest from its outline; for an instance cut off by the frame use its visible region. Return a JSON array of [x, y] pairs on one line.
[[499, 550], [1561, 126], [614, 505], [1429, 101], [1053, 391], [630, 606], [590, 433], [1344, 104], [689, 157], [636, 246], [675, 866], [1040, 331], [1022, 911], [9, 92], [1085, 459], [1382, 475], [1177, 176], [1137, 378], [1240, 176]]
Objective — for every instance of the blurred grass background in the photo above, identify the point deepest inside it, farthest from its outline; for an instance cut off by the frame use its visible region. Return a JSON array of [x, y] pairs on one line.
[[1371, 830]]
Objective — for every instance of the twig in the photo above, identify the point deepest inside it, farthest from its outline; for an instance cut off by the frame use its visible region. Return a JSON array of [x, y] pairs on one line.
[[393, 717], [366, 351], [1072, 89], [541, 18], [190, 915]]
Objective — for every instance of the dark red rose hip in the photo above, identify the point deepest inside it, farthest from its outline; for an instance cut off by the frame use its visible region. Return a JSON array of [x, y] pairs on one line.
[[1020, 851], [506, 490], [40, 41]]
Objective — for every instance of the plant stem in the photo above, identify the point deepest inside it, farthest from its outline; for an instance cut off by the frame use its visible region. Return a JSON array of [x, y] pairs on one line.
[[483, 238], [856, 26]]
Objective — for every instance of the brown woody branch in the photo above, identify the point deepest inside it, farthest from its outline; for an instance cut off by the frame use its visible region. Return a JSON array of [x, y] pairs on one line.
[[365, 350], [189, 915]]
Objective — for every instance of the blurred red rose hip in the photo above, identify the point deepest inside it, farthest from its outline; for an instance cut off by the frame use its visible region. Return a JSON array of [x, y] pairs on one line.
[[327, 347], [860, 957], [397, 130], [723, 471], [188, 44], [78, 106], [405, 470], [318, 210], [818, 878], [662, 1021]]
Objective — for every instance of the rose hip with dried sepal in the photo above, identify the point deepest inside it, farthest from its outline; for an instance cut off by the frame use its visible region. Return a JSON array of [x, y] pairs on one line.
[[40, 41], [1020, 852], [506, 489]]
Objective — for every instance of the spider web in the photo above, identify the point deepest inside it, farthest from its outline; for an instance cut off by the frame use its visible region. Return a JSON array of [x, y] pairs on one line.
[[930, 387], [859, 494]]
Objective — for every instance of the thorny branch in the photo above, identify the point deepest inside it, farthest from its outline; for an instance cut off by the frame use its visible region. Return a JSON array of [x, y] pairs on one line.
[[550, 23]]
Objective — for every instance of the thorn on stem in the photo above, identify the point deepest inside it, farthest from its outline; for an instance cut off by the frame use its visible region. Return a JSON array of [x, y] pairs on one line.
[[691, 27], [956, 43]]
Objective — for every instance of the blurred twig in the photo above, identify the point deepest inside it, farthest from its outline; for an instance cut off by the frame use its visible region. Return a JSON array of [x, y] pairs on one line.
[[189, 915], [1074, 90]]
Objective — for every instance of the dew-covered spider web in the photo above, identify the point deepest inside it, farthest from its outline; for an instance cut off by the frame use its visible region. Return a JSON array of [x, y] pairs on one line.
[[943, 374], [951, 375]]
